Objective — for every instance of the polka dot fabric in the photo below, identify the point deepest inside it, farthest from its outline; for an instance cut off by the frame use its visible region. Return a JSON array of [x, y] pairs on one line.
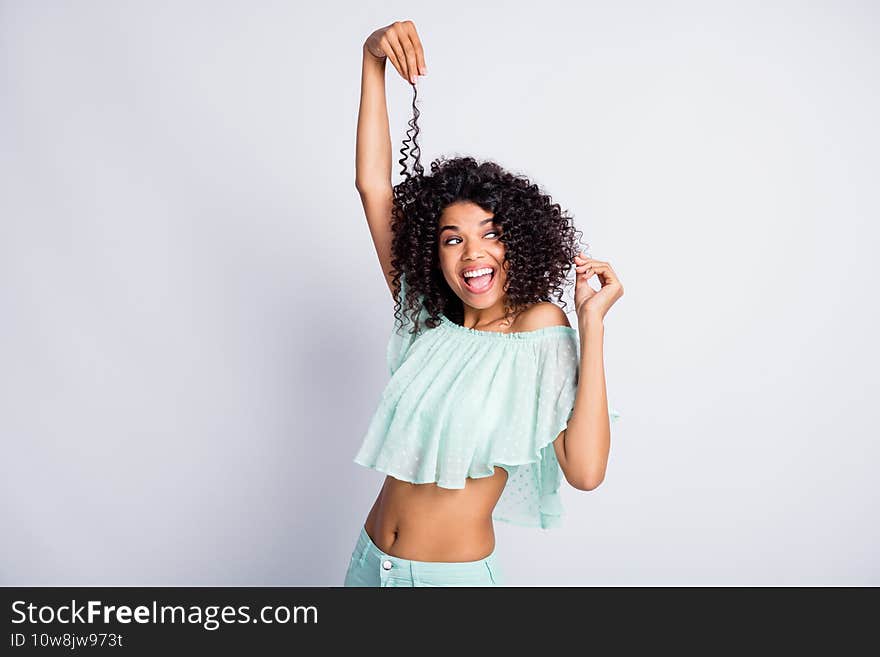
[[461, 401]]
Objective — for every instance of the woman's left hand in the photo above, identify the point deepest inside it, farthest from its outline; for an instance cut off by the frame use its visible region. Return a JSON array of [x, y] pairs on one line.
[[590, 303]]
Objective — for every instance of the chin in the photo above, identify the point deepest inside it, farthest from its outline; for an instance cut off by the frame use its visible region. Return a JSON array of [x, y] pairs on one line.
[[481, 303], [483, 300]]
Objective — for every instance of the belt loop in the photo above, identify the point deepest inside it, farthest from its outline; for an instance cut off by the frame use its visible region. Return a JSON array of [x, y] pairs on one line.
[[364, 549], [493, 574], [414, 573]]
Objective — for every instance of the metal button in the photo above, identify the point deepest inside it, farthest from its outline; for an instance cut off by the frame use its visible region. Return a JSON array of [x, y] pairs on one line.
[[387, 564]]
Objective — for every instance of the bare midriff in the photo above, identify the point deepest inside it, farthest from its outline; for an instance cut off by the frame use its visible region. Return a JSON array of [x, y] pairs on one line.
[[424, 522]]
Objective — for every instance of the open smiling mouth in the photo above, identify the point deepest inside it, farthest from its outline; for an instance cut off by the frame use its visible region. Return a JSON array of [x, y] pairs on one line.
[[480, 283]]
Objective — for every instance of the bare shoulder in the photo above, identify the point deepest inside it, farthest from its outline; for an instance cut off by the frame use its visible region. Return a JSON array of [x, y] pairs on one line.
[[541, 315]]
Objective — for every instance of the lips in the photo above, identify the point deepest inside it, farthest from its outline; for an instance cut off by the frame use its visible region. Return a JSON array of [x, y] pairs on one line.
[[479, 284]]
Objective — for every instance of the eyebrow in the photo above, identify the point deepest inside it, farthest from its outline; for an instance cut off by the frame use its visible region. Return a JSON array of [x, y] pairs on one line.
[[451, 227]]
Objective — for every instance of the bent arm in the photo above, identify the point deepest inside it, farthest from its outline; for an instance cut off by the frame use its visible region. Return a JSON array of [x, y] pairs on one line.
[[582, 449]]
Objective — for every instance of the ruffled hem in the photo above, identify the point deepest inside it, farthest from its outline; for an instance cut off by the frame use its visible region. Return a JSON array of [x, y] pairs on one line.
[[548, 521], [536, 458], [549, 515], [441, 484], [402, 477]]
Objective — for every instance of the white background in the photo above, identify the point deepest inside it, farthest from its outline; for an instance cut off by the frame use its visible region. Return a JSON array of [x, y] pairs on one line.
[[193, 319]]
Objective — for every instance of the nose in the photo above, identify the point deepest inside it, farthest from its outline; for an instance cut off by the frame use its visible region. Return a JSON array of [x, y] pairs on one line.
[[473, 254]]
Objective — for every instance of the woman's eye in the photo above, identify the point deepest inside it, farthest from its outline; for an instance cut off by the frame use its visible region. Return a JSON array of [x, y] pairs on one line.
[[491, 232]]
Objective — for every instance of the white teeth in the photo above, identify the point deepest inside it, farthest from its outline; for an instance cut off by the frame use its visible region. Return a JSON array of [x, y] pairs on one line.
[[478, 272]]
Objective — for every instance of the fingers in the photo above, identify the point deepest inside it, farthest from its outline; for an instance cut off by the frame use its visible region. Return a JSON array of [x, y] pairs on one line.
[[411, 65], [588, 263], [588, 267], [420, 52], [586, 273], [397, 55], [580, 260], [404, 49], [601, 268]]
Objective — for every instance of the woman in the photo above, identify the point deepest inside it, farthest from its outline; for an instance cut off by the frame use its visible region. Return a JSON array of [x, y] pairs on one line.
[[488, 402]]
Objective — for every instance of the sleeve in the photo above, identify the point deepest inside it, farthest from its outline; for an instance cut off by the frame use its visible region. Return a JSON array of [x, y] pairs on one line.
[[557, 375], [613, 414], [557, 382], [544, 406], [564, 366], [401, 338]]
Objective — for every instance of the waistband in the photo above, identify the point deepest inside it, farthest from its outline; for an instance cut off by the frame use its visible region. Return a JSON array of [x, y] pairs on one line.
[[366, 548]]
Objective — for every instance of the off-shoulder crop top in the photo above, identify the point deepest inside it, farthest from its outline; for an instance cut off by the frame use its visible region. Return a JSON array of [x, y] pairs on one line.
[[461, 401]]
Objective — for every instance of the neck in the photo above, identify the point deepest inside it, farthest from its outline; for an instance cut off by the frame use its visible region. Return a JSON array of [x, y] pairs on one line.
[[485, 317]]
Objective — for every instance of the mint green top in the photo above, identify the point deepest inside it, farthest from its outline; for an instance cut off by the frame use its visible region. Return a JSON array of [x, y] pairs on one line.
[[462, 400]]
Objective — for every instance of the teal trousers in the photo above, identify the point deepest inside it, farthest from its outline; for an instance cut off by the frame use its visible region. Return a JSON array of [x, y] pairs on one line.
[[370, 566]]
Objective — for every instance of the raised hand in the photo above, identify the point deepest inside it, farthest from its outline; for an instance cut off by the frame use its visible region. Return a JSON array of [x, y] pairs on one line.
[[589, 303], [400, 43]]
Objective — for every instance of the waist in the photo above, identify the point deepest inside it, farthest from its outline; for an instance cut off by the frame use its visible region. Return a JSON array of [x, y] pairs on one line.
[[449, 572], [425, 522]]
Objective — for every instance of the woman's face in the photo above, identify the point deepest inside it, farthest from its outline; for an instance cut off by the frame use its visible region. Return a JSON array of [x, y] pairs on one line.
[[468, 241]]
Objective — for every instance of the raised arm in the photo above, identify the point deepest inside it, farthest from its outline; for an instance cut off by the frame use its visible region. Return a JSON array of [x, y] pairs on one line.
[[399, 43]]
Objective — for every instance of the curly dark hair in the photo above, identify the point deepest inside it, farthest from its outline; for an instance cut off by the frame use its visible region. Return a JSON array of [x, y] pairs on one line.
[[539, 237]]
